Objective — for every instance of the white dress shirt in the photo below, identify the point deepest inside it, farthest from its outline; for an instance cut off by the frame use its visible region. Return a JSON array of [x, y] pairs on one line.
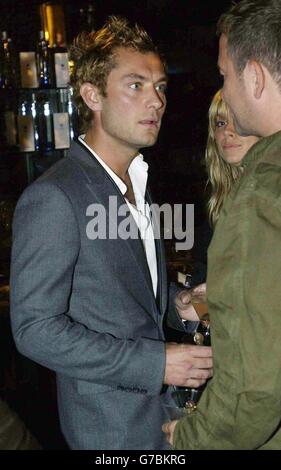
[[141, 212]]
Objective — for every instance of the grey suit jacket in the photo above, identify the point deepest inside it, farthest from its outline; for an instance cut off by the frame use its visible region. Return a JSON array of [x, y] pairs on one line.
[[86, 309]]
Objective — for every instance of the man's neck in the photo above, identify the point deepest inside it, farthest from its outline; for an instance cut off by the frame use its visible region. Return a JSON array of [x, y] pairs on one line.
[[271, 112], [117, 158]]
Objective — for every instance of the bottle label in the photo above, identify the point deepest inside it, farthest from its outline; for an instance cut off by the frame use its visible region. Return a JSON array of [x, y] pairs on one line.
[[10, 127], [26, 134], [61, 69], [28, 70], [61, 130]]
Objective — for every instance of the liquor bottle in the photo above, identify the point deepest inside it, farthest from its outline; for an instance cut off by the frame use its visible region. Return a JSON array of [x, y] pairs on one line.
[[43, 62], [2, 66], [87, 18], [28, 70], [26, 132], [45, 122], [72, 114], [7, 58], [66, 106], [188, 397], [91, 24], [35, 117], [10, 128], [61, 121], [60, 66]]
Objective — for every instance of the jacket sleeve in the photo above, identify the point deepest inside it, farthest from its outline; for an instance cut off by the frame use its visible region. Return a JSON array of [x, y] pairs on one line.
[[46, 244]]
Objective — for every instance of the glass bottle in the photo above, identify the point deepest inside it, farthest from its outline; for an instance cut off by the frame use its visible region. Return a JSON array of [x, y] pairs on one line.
[[187, 397], [43, 62], [35, 117], [10, 127], [60, 65], [45, 122], [71, 113], [7, 58], [26, 132], [61, 120]]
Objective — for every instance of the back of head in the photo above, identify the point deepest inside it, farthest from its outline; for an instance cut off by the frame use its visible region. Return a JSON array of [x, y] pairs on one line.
[[94, 55], [253, 30]]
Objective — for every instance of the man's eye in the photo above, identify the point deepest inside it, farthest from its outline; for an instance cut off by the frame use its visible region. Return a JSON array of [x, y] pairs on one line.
[[135, 86], [162, 88], [220, 123]]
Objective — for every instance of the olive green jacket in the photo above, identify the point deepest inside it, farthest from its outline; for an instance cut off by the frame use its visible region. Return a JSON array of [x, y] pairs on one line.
[[241, 406], [13, 433]]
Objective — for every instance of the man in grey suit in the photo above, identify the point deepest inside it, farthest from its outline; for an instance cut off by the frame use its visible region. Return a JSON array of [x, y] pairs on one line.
[[87, 298]]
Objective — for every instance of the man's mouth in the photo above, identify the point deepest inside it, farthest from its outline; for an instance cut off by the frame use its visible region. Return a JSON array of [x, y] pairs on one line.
[[153, 123]]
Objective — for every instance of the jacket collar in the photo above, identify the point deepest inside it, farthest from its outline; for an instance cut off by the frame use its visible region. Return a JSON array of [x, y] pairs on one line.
[[260, 150], [90, 166], [96, 175]]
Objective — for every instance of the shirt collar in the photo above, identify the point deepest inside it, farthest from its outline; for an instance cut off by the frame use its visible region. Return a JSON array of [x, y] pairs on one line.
[[138, 171]]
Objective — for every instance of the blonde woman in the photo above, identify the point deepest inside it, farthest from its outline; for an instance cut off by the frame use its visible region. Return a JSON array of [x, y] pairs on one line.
[[224, 153]]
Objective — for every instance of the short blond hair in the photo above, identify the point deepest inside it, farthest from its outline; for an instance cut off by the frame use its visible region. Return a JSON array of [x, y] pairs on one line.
[[94, 56]]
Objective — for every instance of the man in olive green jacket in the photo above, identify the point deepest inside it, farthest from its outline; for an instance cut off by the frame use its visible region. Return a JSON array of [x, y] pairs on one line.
[[241, 406]]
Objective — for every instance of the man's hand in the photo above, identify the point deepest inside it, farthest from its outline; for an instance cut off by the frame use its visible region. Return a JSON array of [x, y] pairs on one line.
[[188, 365], [183, 302], [168, 429]]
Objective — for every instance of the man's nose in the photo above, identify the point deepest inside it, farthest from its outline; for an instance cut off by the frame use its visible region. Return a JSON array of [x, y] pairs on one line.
[[155, 100]]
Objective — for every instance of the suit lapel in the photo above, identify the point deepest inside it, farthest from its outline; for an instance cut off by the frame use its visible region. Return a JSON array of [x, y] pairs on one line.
[[161, 261], [135, 245], [102, 186]]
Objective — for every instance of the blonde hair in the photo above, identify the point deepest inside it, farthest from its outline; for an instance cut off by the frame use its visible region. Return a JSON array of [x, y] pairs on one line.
[[221, 175], [94, 55]]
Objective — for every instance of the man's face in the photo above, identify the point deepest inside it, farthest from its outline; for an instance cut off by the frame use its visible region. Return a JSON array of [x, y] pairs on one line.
[[135, 100], [234, 91]]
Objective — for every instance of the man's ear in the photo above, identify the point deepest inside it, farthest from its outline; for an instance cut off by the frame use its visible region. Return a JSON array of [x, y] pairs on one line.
[[91, 96], [256, 76]]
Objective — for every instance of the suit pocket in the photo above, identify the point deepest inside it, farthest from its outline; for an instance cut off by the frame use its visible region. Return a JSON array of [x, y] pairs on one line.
[[89, 387]]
